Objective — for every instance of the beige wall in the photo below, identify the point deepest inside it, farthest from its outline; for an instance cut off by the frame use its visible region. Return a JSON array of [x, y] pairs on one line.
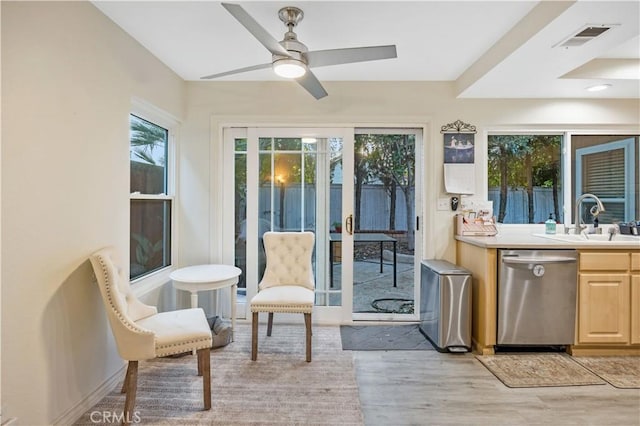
[[68, 76], [211, 104]]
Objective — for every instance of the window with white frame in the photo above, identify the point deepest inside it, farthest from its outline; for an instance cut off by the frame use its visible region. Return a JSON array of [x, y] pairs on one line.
[[151, 194], [525, 177], [607, 167], [527, 181]]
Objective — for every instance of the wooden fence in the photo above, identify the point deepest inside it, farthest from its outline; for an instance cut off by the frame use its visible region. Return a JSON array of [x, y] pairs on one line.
[[374, 214], [517, 210], [375, 207]]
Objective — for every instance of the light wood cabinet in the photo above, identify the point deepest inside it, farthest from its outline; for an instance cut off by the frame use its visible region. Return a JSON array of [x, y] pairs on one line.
[[635, 298], [482, 263], [603, 308], [609, 297], [608, 302]]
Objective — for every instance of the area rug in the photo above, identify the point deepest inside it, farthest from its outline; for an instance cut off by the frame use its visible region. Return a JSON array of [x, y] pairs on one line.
[[620, 371], [383, 338], [537, 370], [278, 388]]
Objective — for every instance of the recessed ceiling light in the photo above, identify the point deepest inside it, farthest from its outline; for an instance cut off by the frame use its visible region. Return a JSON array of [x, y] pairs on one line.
[[598, 87]]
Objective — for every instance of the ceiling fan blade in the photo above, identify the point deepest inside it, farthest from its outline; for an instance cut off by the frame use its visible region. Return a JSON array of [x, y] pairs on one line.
[[323, 58], [256, 29], [237, 71], [311, 83]]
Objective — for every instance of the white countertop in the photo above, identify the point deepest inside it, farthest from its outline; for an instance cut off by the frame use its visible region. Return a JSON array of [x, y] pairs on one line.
[[532, 236]]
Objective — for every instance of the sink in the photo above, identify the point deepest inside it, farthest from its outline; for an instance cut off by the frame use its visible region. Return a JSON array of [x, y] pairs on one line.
[[593, 238]]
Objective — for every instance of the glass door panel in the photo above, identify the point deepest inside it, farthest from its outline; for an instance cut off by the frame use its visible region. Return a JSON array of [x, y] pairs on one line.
[[384, 251], [330, 291], [281, 184], [240, 215]]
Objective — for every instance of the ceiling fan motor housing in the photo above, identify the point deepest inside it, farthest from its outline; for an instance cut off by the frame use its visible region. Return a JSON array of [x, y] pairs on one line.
[[295, 48]]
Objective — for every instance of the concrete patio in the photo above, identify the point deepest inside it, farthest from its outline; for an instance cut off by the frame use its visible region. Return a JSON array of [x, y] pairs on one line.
[[370, 285]]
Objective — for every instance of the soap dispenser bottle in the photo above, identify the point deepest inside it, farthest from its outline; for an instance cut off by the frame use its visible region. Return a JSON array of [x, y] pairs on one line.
[[550, 225]]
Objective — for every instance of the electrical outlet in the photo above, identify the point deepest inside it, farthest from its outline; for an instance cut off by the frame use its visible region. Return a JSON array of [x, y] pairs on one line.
[[444, 204], [466, 204]]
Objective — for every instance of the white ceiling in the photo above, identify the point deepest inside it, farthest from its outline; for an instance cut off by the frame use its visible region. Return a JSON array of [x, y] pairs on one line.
[[490, 49]]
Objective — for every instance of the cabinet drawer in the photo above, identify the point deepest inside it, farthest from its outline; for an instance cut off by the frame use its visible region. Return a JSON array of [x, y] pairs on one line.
[[604, 261], [635, 261]]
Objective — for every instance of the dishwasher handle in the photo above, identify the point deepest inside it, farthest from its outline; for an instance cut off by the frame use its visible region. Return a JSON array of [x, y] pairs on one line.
[[538, 260]]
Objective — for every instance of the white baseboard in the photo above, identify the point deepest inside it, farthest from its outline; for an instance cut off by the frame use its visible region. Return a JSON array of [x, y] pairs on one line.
[[74, 413]]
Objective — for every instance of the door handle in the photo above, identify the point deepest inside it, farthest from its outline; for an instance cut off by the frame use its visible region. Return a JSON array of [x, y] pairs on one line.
[[348, 224], [538, 260]]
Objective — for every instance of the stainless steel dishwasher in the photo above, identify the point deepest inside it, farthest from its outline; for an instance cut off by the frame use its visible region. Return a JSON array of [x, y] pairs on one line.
[[537, 297]]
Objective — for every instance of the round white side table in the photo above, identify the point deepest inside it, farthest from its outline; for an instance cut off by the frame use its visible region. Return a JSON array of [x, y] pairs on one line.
[[208, 277]]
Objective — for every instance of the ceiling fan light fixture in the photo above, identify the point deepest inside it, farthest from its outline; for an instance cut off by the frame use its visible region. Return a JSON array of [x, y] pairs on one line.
[[289, 68]]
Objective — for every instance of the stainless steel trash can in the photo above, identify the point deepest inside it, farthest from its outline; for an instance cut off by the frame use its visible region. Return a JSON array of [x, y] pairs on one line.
[[445, 305]]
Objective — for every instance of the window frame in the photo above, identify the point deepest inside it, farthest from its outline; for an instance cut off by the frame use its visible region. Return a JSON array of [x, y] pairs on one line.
[[568, 171], [628, 147], [565, 168], [155, 115]]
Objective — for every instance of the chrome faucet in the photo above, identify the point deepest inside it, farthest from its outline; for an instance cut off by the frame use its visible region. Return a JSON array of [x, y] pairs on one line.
[[599, 207]]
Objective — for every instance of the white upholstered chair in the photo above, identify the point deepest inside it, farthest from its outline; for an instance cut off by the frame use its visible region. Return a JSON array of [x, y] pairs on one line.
[[141, 333], [287, 285]]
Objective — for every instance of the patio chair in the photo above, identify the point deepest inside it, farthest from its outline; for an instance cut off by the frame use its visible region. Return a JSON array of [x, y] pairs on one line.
[[141, 333], [287, 285]]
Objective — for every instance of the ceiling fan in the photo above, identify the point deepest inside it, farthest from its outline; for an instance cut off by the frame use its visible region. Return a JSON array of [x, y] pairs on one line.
[[290, 57]]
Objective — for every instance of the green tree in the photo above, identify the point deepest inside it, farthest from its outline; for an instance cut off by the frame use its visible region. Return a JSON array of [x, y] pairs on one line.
[[281, 163], [546, 171], [361, 173], [503, 151], [391, 159], [145, 138], [524, 161]]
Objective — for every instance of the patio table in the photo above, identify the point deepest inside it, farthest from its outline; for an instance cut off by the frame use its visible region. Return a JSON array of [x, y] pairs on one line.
[[365, 238]]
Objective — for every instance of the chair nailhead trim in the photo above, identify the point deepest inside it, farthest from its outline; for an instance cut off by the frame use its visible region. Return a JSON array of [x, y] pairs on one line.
[[281, 308], [180, 347], [109, 289]]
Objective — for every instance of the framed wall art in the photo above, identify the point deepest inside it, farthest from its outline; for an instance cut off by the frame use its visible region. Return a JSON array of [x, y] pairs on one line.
[[459, 142], [459, 157]]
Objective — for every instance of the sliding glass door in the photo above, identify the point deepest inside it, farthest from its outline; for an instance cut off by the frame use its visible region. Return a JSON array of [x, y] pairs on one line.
[[308, 180]]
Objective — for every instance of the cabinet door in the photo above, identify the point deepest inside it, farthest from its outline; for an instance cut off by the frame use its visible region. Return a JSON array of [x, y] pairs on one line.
[[604, 308], [635, 309]]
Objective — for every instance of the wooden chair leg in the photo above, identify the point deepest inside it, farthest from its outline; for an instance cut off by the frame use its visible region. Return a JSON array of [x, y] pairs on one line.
[[254, 337], [132, 386], [199, 358], [126, 379], [204, 362], [270, 324], [307, 323]]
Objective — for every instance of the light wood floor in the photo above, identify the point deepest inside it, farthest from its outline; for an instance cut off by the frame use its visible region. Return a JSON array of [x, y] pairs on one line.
[[430, 388]]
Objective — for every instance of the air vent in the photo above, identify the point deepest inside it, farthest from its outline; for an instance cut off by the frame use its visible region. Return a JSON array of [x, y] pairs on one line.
[[585, 34]]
